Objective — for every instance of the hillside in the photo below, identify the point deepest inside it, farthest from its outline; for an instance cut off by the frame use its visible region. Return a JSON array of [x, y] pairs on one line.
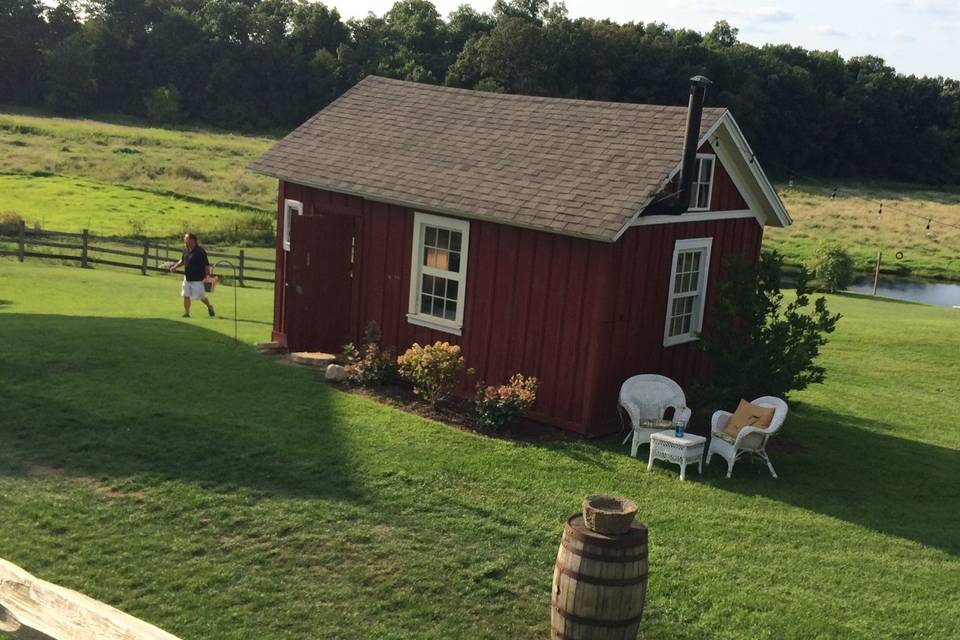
[[159, 181]]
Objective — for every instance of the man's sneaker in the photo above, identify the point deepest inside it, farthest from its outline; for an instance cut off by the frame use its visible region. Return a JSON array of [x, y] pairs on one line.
[[211, 311], [186, 315]]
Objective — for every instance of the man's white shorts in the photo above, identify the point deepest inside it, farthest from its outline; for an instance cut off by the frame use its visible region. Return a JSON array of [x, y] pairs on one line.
[[193, 290]]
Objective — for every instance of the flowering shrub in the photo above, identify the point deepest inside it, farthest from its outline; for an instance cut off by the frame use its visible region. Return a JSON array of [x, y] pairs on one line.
[[499, 406], [371, 364], [433, 369]]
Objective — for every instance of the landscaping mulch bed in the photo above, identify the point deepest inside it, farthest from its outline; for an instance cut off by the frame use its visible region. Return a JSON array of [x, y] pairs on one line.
[[457, 412]]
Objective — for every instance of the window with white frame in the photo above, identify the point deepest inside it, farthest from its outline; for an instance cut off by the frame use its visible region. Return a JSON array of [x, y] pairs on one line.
[[688, 290], [290, 208], [438, 273], [702, 187]]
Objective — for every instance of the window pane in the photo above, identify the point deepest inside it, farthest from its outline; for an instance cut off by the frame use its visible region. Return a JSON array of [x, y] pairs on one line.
[[437, 308], [427, 285], [430, 237], [451, 310], [436, 258], [439, 287], [702, 195], [452, 288], [454, 263], [425, 304], [443, 238], [695, 261], [706, 167], [455, 237]]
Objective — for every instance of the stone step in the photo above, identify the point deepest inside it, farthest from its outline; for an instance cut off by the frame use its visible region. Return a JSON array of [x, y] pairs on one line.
[[312, 358]]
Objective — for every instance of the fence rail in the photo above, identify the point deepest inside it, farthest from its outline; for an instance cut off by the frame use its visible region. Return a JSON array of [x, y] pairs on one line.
[[148, 256]]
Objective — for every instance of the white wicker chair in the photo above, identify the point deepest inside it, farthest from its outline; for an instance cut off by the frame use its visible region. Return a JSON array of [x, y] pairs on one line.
[[646, 397], [750, 440]]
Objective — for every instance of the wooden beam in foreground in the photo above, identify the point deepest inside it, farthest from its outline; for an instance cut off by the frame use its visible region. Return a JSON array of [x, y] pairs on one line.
[[34, 609]]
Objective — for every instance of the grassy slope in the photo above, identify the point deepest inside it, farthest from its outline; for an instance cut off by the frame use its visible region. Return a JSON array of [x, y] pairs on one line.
[[851, 220], [211, 166], [72, 204], [222, 494], [194, 163]]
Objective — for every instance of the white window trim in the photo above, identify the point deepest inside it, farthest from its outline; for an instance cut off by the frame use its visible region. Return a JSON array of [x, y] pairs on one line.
[[290, 208], [416, 270], [713, 169], [705, 245]]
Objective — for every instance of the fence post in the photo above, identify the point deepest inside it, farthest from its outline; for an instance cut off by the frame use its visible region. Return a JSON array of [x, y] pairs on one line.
[[240, 270], [83, 248], [876, 274], [21, 240], [146, 257]]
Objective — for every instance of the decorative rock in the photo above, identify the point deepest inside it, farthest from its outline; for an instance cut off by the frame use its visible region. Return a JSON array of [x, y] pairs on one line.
[[269, 347], [336, 373], [313, 358]]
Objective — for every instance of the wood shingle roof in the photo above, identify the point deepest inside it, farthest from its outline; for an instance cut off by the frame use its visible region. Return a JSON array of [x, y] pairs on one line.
[[573, 167]]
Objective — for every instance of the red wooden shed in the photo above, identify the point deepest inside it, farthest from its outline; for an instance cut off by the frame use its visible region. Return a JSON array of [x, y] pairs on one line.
[[576, 241]]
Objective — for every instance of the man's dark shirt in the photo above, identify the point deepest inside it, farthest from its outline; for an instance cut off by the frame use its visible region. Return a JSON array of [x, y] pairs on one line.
[[195, 264]]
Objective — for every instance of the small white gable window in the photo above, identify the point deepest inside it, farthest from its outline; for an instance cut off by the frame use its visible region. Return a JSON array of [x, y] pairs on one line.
[[688, 290], [702, 187], [290, 208], [438, 272]]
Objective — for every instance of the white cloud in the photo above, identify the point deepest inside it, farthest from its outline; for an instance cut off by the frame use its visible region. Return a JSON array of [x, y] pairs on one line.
[[829, 31], [771, 14], [931, 7]]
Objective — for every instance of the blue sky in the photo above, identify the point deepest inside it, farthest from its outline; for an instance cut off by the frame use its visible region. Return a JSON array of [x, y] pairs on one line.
[[914, 36]]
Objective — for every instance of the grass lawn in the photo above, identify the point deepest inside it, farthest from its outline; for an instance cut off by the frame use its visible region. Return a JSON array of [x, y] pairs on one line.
[[218, 493], [73, 204]]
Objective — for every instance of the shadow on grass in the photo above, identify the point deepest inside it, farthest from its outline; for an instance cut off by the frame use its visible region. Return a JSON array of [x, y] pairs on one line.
[[849, 471], [128, 398]]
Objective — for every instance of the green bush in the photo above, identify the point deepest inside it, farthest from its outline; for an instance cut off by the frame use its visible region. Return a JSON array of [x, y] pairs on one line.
[[370, 365], [499, 406], [832, 268], [163, 105], [759, 342], [10, 222], [434, 370]]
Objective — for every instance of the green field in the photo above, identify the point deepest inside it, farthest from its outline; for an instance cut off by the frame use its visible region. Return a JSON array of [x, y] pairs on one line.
[[115, 178], [219, 493]]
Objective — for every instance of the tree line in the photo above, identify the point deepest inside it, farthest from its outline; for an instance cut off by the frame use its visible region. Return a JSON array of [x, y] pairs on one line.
[[270, 64]]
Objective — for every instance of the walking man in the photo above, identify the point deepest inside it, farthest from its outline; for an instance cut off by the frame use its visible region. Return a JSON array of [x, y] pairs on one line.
[[196, 267]]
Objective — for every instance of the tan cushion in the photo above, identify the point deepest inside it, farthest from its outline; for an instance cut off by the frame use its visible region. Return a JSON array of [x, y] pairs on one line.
[[748, 415]]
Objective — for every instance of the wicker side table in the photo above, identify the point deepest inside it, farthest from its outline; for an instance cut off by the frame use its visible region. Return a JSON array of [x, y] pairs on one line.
[[682, 451]]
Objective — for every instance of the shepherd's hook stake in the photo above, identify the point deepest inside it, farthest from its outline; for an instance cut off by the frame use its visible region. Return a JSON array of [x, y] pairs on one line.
[[230, 264]]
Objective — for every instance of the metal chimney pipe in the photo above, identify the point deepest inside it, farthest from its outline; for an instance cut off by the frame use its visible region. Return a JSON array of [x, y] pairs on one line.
[[680, 201]]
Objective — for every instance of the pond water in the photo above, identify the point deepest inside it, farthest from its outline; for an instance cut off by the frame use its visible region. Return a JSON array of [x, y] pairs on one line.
[[942, 294]]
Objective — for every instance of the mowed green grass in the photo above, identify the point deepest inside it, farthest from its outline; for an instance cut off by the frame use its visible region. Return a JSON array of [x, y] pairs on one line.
[[219, 493], [72, 204]]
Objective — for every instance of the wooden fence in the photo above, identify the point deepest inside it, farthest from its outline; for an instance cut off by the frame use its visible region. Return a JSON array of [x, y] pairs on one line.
[[34, 609], [143, 255]]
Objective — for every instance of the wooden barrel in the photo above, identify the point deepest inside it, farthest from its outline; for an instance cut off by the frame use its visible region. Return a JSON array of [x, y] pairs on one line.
[[599, 583]]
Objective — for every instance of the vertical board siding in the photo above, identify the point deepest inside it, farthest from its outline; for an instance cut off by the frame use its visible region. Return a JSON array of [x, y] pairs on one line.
[[580, 315], [647, 280]]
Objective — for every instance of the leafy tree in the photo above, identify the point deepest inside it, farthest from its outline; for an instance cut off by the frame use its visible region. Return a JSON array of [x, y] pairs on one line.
[[163, 104], [22, 33], [761, 341], [72, 85], [832, 268]]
